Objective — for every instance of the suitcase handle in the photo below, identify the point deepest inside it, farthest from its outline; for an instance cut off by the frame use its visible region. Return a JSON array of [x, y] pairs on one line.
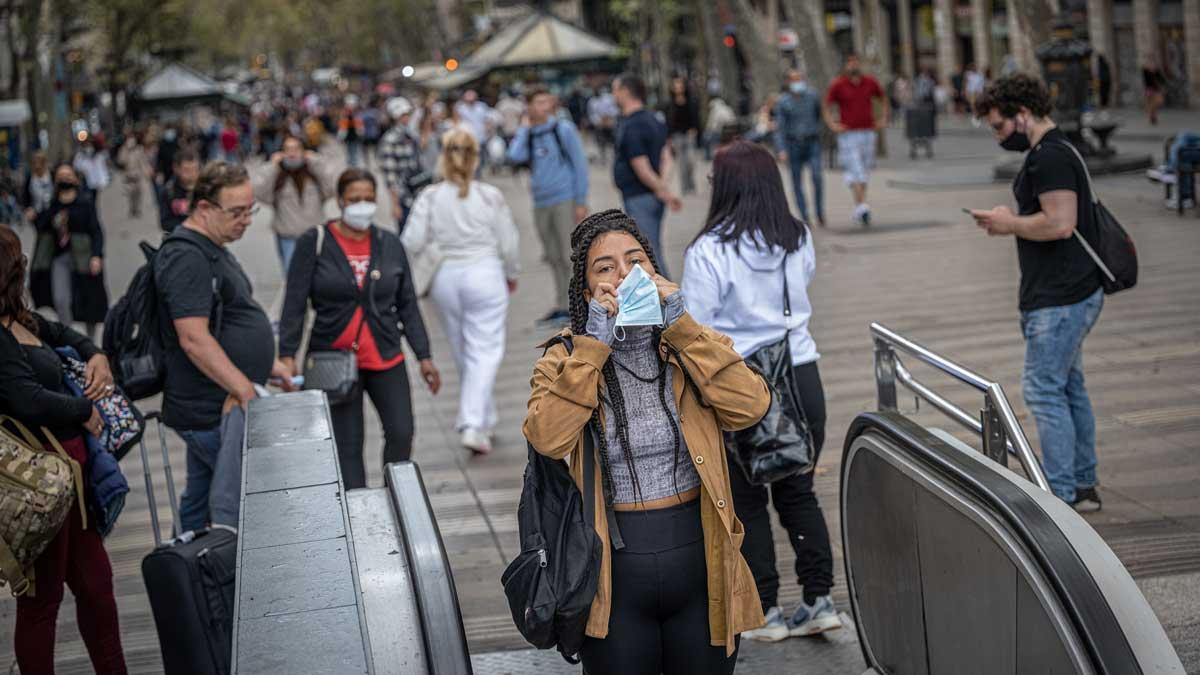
[[162, 441]]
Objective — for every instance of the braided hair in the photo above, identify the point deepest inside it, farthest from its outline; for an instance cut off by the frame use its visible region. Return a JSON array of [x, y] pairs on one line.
[[586, 233]]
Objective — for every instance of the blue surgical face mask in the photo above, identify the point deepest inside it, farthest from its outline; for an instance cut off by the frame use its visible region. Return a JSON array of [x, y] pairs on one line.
[[798, 87], [637, 302]]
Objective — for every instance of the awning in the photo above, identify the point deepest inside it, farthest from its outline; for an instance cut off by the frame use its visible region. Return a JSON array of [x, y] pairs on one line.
[[177, 83]]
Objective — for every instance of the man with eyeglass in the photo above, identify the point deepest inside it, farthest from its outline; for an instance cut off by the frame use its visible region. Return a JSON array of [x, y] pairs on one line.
[[218, 341]]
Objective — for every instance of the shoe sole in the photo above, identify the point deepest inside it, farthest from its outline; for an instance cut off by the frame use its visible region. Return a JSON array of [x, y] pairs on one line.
[[761, 635], [816, 626]]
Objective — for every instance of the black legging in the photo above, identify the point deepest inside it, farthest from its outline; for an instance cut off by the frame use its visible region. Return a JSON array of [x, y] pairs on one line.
[[393, 401], [798, 509], [659, 618]]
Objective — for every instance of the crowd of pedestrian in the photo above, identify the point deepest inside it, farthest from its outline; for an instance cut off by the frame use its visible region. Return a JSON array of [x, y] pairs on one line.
[[646, 373]]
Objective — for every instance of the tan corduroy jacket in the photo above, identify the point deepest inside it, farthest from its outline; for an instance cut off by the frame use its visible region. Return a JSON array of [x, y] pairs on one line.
[[566, 389]]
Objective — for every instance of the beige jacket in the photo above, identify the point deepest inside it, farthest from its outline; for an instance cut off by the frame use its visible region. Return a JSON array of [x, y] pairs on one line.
[[293, 216], [566, 389]]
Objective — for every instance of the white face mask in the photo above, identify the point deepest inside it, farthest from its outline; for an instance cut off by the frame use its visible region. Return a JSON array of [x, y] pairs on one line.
[[358, 215]]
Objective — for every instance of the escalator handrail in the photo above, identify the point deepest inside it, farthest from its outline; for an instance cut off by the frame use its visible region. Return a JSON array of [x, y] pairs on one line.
[[433, 581], [1097, 626]]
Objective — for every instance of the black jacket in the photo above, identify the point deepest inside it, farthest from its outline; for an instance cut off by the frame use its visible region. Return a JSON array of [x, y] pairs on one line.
[[388, 297], [29, 400]]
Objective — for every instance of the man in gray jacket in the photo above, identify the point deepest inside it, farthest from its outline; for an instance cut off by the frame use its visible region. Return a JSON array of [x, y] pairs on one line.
[[798, 140]]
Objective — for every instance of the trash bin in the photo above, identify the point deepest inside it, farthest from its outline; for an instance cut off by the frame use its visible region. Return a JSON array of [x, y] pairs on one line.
[[920, 128]]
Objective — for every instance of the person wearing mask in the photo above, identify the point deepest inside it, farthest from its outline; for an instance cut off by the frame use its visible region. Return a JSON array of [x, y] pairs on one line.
[[217, 340], [175, 195], [38, 191], [1060, 290], [683, 124], [91, 164], [798, 141], [854, 93], [400, 159], [361, 290], [469, 226], [733, 280], [642, 162], [132, 156], [33, 393], [657, 399], [296, 184], [67, 270], [558, 177]]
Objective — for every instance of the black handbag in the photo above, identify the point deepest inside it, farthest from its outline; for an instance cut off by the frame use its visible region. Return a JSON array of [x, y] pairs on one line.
[[552, 582], [780, 444], [1113, 250], [334, 371]]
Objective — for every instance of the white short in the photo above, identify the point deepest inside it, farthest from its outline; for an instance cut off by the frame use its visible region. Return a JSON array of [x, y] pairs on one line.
[[856, 153]]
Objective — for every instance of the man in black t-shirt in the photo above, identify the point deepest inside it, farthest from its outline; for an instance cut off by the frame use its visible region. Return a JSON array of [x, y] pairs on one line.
[[642, 163], [219, 342], [1060, 292]]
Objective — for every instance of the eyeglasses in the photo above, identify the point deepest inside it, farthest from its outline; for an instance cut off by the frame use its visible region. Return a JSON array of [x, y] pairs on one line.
[[239, 212]]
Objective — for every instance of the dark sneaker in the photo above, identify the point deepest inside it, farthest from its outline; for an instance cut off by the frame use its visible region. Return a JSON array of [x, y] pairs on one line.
[[1086, 500]]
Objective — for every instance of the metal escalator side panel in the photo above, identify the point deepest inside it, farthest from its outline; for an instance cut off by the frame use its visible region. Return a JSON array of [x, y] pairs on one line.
[[958, 593], [437, 599], [389, 600], [1107, 648]]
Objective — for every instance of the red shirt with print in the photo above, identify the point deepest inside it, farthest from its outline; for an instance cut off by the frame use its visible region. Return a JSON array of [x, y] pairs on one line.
[[854, 101], [358, 252]]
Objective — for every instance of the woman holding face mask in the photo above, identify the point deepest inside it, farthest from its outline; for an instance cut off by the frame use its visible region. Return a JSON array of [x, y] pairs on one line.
[[464, 230], [656, 389], [357, 280], [68, 258], [296, 184]]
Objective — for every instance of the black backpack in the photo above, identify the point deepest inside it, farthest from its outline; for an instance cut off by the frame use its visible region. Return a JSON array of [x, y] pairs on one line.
[[553, 131], [1112, 248], [551, 583], [133, 336]]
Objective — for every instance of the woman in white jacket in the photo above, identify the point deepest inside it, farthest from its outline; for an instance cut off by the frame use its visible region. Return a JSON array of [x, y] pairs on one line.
[[733, 280], [464, 245]]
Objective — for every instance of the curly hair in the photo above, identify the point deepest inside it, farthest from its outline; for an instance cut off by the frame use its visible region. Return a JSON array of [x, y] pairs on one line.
[[12, 280], [1008, 94], [585, 235]]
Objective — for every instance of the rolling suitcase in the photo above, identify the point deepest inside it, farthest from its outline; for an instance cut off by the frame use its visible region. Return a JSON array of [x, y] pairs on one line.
[[190, 583]]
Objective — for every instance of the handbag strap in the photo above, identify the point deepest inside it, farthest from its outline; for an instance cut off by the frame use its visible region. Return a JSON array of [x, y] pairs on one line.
[[56, 448], [13, 573], [1095, 202]]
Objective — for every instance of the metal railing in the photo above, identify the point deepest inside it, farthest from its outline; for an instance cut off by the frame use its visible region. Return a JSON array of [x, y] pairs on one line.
[[996, 423]]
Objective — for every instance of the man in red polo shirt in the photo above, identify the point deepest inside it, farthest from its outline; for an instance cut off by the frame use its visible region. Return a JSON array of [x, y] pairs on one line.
[[854, 92]]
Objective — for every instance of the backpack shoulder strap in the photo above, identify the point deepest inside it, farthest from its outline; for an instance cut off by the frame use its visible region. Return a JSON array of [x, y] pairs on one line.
[[219, 301], [320, 239], [1087, 174], [1095, 202]]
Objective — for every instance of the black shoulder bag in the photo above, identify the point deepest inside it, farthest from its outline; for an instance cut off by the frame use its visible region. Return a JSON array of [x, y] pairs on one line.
[[1113, 251], [335, 371], [551, 583], [780, 445]]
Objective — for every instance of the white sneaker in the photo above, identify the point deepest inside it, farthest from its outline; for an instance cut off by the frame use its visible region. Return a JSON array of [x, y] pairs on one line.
[[816, 618], [774, 630], [1173, 203], [1161, 174], [476, 441]]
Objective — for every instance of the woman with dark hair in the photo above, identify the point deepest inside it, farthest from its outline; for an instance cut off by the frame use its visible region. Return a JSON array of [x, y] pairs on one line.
[[356, 278], [749, 253], [33, 393], [296, 184], [674, 591], [67, 271]]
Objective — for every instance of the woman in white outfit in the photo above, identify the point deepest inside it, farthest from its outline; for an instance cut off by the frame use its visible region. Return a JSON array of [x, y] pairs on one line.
[[464, 231]]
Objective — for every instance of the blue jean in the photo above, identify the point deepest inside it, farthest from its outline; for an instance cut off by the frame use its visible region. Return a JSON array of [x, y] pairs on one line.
[[214, 477], [1055, 394], [803, 154], [286, 248], [647, 211]]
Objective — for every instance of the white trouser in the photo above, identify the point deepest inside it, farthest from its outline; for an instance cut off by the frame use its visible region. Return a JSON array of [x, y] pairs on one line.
[[472, 300]]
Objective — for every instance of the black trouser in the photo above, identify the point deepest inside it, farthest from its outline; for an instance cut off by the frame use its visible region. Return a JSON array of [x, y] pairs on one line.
[[659, 618], [798, 510], [393, 401]]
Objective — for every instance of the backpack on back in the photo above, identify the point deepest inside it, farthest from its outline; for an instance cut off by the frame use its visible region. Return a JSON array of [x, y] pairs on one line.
[[553, 131], [133, 337]]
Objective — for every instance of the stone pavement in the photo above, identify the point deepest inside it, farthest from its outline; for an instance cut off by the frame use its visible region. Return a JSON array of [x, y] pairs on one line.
[[923, 269]]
